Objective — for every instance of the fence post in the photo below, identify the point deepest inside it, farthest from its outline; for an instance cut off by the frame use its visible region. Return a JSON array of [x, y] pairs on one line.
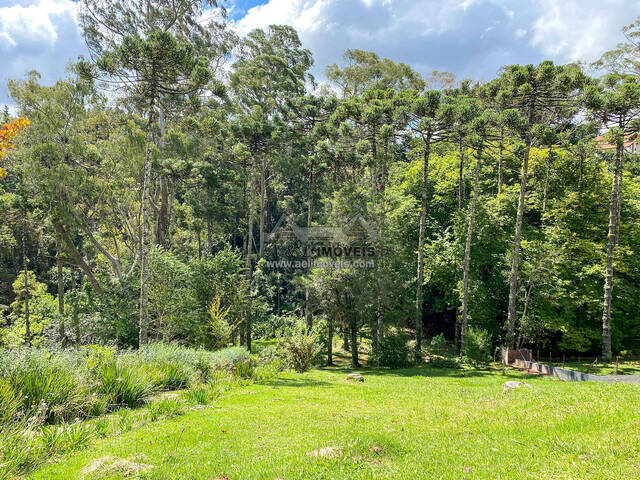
[[617, 359], [549, 357]]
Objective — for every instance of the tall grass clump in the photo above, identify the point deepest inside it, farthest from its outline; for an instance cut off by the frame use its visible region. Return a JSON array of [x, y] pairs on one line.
[[123, 384]]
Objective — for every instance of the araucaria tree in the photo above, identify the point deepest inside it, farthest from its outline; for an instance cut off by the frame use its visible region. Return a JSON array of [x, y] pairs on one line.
[[146, 47], [617, 105], [543, 93]]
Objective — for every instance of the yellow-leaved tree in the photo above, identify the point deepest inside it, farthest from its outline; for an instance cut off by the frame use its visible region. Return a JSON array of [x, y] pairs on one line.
[[8, 132]]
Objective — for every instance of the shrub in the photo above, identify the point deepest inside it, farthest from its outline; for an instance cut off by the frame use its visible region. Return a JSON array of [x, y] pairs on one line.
[[51, 390], [393, 351], [203, 367], [244, 369], [266, 372], [438, 345], [196, 395], [301, 351], [10, 402], [477, 346], [228, 358], [123, 384], [218, 331], [172, 376]]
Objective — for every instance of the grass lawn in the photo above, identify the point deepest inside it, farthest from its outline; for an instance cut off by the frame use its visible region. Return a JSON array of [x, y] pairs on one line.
[[406, 424]]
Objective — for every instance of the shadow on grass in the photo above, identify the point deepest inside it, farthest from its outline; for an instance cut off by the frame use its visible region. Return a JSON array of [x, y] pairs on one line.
[[427, 371], [296, 382]]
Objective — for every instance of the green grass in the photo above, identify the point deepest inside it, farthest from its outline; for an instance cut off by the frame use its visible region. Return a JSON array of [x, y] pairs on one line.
[[407, 424]]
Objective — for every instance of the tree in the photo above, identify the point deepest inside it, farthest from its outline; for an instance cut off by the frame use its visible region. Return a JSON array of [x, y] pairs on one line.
[[428, 118], [147, 47], [8, 132], [543, 93], [480, 126], [617, 104]]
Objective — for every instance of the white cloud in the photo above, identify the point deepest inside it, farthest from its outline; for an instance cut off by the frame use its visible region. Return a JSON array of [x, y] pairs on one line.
[[38, 35], [472, 38], [581, 30]]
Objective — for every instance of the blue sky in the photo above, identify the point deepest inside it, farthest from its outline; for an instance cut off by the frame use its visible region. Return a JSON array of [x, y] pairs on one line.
[[471, 38]]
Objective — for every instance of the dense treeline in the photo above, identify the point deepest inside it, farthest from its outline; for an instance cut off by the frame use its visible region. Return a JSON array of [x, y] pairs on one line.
[[138, 203]]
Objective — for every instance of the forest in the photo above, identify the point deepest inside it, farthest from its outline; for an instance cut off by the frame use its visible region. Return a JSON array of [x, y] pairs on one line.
[[164, 190]]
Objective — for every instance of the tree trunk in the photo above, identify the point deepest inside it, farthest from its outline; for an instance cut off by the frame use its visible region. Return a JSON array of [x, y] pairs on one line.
[[144, 236], [423, 217], [381, 296], [307, 290], [515, 262], [330, 341], [27, 322], [545, 194], [263, 189], [611, 244], [162, 224], [467, 255], [78, 258], [461, 175], [249, 266], [500, 160], [345, 338], [60, 293], [355, 363]]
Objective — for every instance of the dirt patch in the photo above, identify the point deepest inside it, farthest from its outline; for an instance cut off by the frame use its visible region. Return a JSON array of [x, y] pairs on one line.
[[110, 465]]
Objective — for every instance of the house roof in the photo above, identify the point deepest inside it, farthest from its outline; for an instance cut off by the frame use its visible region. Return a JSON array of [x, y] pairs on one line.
[[629, 140]]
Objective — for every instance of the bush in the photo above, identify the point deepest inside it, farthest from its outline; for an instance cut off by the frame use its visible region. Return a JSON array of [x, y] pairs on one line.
[[438, 345], [10, 402], [393, 351], [51, 390], [266, 372], [301, 351], [123, 384], [172, 376], [218, 331], [477, 346], [228, 358], [196, 396]]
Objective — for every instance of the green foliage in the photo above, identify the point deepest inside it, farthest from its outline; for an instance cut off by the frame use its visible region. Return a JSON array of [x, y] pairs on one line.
[[10, 402], [300, 350], [478, 345], [219, 331], [42, 312], [393, 351], [123, 385], [167, 407], [228, 359], [196, 395], [438, 345]]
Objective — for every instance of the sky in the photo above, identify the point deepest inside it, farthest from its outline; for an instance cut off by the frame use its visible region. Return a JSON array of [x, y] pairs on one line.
[[471, 38]]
